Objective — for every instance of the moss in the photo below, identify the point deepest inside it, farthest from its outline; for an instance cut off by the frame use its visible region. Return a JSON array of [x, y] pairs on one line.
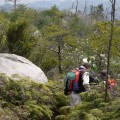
[[29, 100], [96, 112], [32, 100], [90, 117]]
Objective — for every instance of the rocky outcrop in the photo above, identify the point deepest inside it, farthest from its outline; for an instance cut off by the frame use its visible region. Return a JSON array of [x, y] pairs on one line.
[[13, 65]]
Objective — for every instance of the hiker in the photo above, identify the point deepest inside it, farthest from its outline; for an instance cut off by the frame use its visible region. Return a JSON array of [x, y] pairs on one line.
[[103, 75], [102, 81], [84, 80], [112, 84]]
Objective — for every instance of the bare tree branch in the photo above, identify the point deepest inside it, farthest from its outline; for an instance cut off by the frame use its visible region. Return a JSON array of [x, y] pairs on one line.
[[76, 7]]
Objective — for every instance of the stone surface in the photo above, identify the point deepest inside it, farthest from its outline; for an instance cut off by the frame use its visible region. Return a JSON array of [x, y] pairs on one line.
[[13, 65]]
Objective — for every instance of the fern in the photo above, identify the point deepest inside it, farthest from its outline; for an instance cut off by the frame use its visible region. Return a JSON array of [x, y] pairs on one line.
[[61, 117], [73, 115], [29, 100], [89, 116], [96, 112], [65, 109]]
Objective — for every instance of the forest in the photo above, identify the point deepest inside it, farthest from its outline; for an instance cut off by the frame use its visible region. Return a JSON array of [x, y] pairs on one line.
[[57, 41]]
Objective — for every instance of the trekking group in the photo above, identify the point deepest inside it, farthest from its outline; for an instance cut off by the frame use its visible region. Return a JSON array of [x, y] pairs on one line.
[[79, 80]]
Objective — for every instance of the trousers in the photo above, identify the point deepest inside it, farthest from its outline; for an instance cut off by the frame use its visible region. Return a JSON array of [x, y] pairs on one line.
[[75, 99]]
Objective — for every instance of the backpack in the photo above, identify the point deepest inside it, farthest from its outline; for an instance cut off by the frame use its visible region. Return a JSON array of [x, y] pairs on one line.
[[111, 83], [71, 82]]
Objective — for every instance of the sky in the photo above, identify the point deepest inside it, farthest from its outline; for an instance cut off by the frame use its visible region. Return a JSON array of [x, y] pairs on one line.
[[28, 1], [21, 1]]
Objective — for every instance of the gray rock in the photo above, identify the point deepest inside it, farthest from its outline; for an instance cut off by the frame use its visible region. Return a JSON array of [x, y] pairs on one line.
[[13, 65]]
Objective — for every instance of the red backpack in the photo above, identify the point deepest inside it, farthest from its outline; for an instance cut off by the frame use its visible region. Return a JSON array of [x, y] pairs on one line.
[[71, 82]]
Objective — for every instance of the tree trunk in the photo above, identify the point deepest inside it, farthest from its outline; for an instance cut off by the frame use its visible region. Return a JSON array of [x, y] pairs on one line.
[[110, 44], [100, 62], [59, 59], [14, 4]]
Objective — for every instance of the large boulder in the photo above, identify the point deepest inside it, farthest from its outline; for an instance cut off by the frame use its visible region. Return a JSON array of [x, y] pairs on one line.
[[11, 65]]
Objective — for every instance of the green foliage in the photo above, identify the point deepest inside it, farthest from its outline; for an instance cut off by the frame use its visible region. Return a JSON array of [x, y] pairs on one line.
[[4, 23], [22, 12], [21, 38], [97, 12], [48, 62], [90, 117], [98, 44], [60, 117], [52, 12], [63, 40], [79, 26], [29, 100], [65, 109], [56, 42], [92, 107], [38, 111], [53, 15], [96, 112]]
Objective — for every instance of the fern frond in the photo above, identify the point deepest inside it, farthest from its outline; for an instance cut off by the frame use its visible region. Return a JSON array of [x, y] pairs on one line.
[[73, 115], [61, 117], [65, 109]]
